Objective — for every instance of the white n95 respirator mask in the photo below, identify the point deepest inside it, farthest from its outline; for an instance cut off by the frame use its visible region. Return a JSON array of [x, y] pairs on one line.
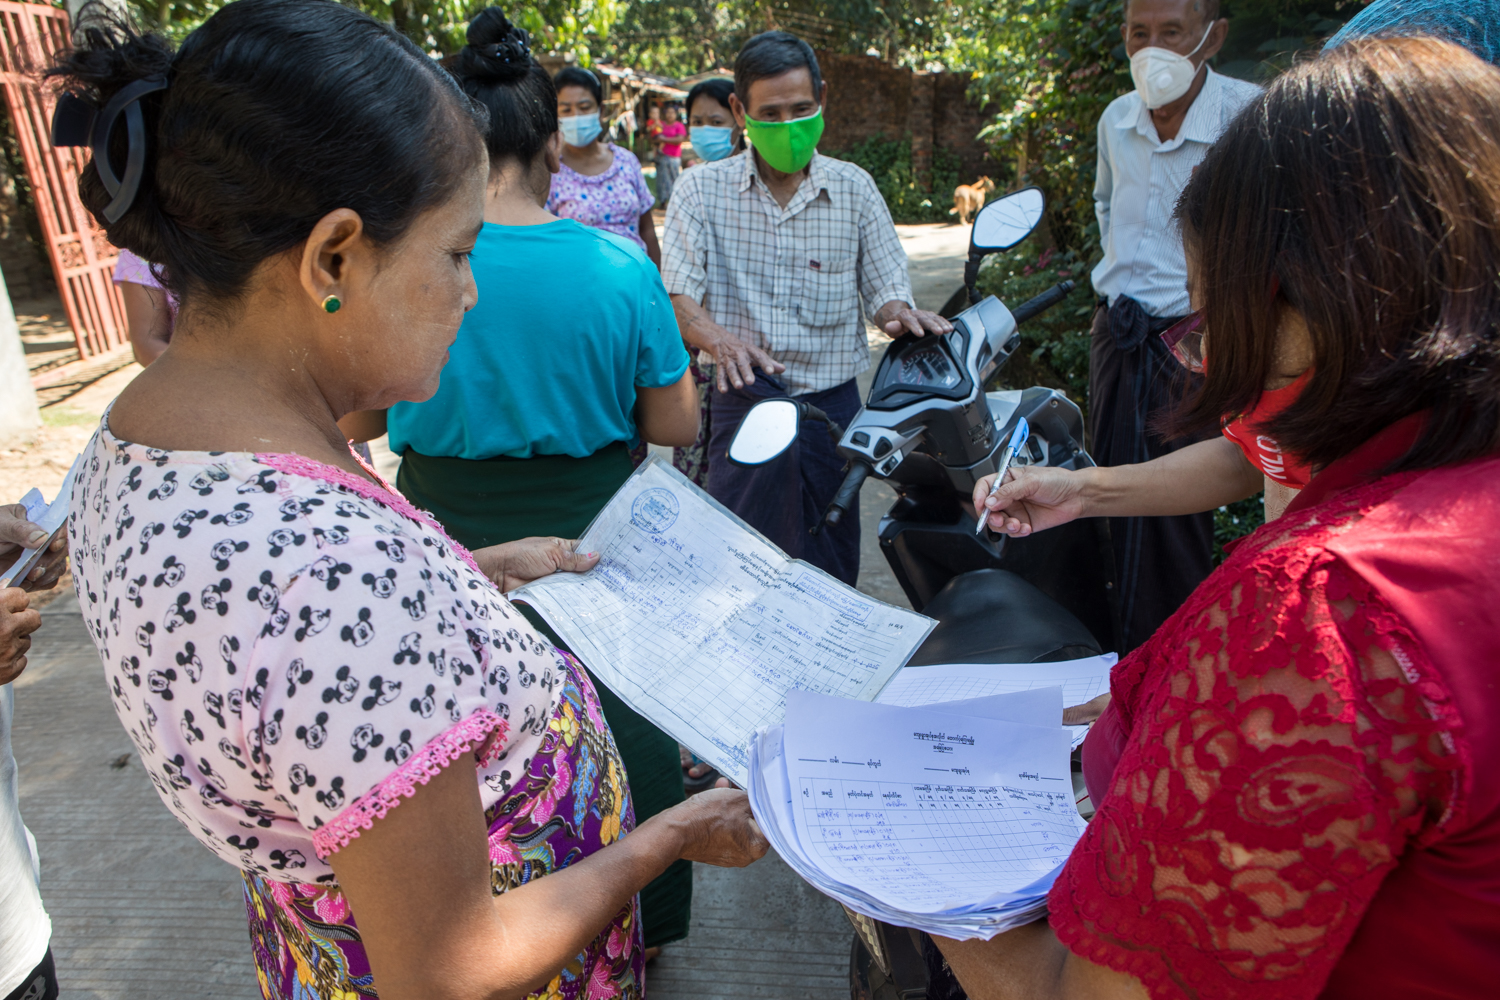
[[1161, 75]]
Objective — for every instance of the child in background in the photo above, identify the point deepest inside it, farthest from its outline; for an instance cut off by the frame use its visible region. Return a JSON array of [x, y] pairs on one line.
[[669, 153], [653, 126]]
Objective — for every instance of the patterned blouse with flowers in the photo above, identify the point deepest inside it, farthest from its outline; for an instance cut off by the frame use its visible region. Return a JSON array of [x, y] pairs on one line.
[[293, 649], [613, 201]]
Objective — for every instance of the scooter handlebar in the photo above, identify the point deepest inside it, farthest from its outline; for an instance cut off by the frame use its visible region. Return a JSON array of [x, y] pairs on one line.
[[848, 494], [1031, 308]]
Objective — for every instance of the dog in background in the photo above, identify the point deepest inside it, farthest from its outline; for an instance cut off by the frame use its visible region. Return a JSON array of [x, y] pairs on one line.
[[969, 198]]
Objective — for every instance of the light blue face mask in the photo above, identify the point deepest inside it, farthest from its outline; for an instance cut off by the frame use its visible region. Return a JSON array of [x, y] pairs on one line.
[[580, 130], [712, 142]]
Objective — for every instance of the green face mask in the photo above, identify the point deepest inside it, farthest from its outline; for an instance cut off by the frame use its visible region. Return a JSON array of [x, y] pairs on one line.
[[786, 146]]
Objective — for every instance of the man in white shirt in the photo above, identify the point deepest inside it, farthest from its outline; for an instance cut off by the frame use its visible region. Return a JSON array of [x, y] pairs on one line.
[[773, 257], [1150, 141]]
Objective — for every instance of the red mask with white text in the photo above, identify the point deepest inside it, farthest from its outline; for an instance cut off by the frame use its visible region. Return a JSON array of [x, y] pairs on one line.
[[1263, 451]]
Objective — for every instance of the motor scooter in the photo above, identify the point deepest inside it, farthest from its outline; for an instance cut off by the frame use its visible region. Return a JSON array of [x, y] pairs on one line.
[[932, 431]]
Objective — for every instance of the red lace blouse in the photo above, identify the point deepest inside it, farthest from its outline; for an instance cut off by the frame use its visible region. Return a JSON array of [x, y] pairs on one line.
[[1299, 776]]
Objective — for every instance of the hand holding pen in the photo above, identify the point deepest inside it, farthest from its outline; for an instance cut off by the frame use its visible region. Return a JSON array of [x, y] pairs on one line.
[[1033, 498], [1018, 439]]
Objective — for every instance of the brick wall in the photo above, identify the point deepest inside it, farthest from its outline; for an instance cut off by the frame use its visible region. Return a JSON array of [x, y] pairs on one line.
[[868, 97]]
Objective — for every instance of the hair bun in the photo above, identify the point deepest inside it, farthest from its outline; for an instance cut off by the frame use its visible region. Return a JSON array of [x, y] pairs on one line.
[[497, 49]]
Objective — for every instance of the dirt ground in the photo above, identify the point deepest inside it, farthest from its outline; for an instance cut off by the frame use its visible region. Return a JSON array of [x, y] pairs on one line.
[[71, 401], [70, 412]]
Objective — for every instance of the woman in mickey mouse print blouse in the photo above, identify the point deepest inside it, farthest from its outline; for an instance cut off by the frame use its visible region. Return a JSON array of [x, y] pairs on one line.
[[423, 797]]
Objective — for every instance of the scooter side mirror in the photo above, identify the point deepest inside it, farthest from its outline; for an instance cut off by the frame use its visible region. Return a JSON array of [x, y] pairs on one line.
[[1007, 221], [767, 431]]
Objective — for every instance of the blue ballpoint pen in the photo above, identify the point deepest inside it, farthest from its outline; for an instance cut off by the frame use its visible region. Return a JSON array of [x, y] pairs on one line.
[[1018, 440]]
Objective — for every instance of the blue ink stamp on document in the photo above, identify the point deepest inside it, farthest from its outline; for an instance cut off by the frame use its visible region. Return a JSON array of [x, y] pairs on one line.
[[655, 510]]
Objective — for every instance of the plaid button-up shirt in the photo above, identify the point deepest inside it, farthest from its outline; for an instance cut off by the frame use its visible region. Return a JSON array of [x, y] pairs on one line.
[[787, 280]]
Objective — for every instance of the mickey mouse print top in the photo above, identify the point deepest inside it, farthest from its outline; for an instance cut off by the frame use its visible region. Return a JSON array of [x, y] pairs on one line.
[[293, 649]]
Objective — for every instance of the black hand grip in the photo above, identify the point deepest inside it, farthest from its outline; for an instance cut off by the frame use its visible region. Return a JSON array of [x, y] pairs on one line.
[[1032, 307], [848, 494]]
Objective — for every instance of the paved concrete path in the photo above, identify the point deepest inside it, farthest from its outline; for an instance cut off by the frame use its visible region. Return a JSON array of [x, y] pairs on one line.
[[141, 911]]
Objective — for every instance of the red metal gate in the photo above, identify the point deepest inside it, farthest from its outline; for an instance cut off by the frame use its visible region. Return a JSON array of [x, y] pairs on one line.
[[82, 259]]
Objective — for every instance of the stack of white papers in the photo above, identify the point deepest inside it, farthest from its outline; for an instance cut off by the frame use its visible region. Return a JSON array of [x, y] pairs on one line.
[[953, 818]]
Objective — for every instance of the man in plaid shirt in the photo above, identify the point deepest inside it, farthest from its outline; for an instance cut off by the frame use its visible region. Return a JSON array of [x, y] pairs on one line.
[[769, 256]]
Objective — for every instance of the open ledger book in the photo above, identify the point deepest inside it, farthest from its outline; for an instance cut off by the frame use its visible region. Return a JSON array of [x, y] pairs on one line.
[[701, 625]]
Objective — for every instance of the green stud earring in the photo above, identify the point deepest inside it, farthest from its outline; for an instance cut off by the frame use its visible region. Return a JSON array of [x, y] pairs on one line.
[[331, 304]]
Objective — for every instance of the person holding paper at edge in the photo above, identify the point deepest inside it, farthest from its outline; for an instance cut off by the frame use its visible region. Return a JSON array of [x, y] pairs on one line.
[[25, 929], [421, 795], [1293, 778]]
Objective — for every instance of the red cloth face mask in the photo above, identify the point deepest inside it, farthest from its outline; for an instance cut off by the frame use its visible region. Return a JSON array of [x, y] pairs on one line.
[[1263, 451]]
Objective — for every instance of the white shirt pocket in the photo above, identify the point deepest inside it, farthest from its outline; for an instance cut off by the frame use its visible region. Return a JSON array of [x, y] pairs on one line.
[[827, 294]]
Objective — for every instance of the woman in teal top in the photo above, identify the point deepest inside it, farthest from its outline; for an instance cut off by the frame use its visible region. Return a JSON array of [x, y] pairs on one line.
[[571, 355]]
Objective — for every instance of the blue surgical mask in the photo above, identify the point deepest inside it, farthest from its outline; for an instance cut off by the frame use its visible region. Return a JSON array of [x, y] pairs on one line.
[[580, 130], [712, 142]]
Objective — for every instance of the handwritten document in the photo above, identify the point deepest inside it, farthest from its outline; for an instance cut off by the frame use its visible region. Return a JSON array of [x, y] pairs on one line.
[[700, 624], [924, 810], [1080, 680]]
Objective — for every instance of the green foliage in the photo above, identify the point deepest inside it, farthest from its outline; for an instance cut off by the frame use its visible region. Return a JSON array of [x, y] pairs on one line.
[[1054, 347], [909, 200], [1237, 519], [683, 37], [1265, 36], [1048, 69], [435, 26], [677, 37]]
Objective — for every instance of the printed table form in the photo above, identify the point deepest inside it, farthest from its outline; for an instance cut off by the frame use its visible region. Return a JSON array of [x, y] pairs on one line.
[[919, 808], [701, 625]]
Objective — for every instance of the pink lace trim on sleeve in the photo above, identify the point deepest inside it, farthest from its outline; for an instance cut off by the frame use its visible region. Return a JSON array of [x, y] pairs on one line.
[[483, 732], [385, 494]]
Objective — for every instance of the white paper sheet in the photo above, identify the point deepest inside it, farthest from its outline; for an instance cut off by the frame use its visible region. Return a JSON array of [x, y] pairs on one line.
[[923, 810], [702, 625], [1081, 681], [1033, 707], [771, 800], [50, 517]]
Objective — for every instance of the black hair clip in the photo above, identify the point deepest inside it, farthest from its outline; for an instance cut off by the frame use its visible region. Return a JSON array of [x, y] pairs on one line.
[[76, 122]]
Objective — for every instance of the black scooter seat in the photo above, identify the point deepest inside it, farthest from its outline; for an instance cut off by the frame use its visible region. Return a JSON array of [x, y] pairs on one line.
[[994, 616]]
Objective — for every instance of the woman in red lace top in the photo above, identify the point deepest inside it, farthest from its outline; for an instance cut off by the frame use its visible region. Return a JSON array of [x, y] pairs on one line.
[[1298, 776]]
